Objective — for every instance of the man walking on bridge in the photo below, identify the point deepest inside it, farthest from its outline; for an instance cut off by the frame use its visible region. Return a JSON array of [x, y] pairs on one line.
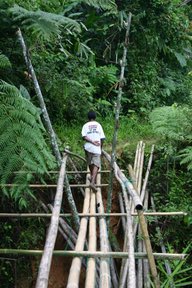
[[92, 133]]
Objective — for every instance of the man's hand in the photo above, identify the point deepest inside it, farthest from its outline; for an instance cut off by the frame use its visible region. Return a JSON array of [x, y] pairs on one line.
[[96, 143]]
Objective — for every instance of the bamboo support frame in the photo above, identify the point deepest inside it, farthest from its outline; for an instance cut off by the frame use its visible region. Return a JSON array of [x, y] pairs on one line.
[[45, 264]]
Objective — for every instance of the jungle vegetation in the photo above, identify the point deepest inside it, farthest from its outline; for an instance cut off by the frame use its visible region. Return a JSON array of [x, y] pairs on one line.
[[75, 47]]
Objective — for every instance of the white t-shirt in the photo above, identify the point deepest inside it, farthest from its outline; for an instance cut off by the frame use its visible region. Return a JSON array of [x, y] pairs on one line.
[[94, 131]]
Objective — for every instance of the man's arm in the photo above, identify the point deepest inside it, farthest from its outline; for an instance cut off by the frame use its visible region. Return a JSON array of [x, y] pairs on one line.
[[96, 143]]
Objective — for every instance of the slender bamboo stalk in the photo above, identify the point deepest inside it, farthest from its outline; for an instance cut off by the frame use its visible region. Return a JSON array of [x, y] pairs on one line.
[[73, 279], [45, 264], [147, 173], [122, 211], [71, 234], [67, 172], [128, 241], [163, 249], [127, 183], [117, 112], [74, 154], [141, 169], [136, 157], [53, 185], [40, 98], [77, 175], [146, 272], [47, 121], [96, 254], [136, 172]]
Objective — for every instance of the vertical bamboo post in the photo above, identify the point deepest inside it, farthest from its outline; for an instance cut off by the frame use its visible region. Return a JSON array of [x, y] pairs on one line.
[[117, 112], [45, 264]]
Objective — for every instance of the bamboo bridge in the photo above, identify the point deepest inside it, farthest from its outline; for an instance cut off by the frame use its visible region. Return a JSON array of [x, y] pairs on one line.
[[91, 247]]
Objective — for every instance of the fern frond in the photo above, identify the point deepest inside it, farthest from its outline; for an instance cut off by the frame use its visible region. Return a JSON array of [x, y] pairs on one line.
[[100, 4], [22, 143], [45, 24], [172, 122], [4, 62]]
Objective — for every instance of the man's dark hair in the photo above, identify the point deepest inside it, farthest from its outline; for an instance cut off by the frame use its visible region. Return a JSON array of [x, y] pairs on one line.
[[91, 115]]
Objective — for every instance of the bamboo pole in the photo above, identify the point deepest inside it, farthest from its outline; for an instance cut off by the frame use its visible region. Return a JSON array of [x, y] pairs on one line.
[[45, 264], [91, 264], [147, 173], [105, 277], [148, 247], [124, 214], [40, 97], [67, 172], [136, 157], [141, 169], [122, 211], [146, 271], [47, 122], [97, 254], [136, 172], [163, 249], [117, 111], [127, 183], [53, 185], [77, 175], [128, 241], [73, 279]]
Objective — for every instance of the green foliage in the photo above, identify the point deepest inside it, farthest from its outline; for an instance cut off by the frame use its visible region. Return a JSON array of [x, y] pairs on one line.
[[44, 24], [180, 276], [4, 62], [186, 155], [103, 4], [22, 144], [172, 122]]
